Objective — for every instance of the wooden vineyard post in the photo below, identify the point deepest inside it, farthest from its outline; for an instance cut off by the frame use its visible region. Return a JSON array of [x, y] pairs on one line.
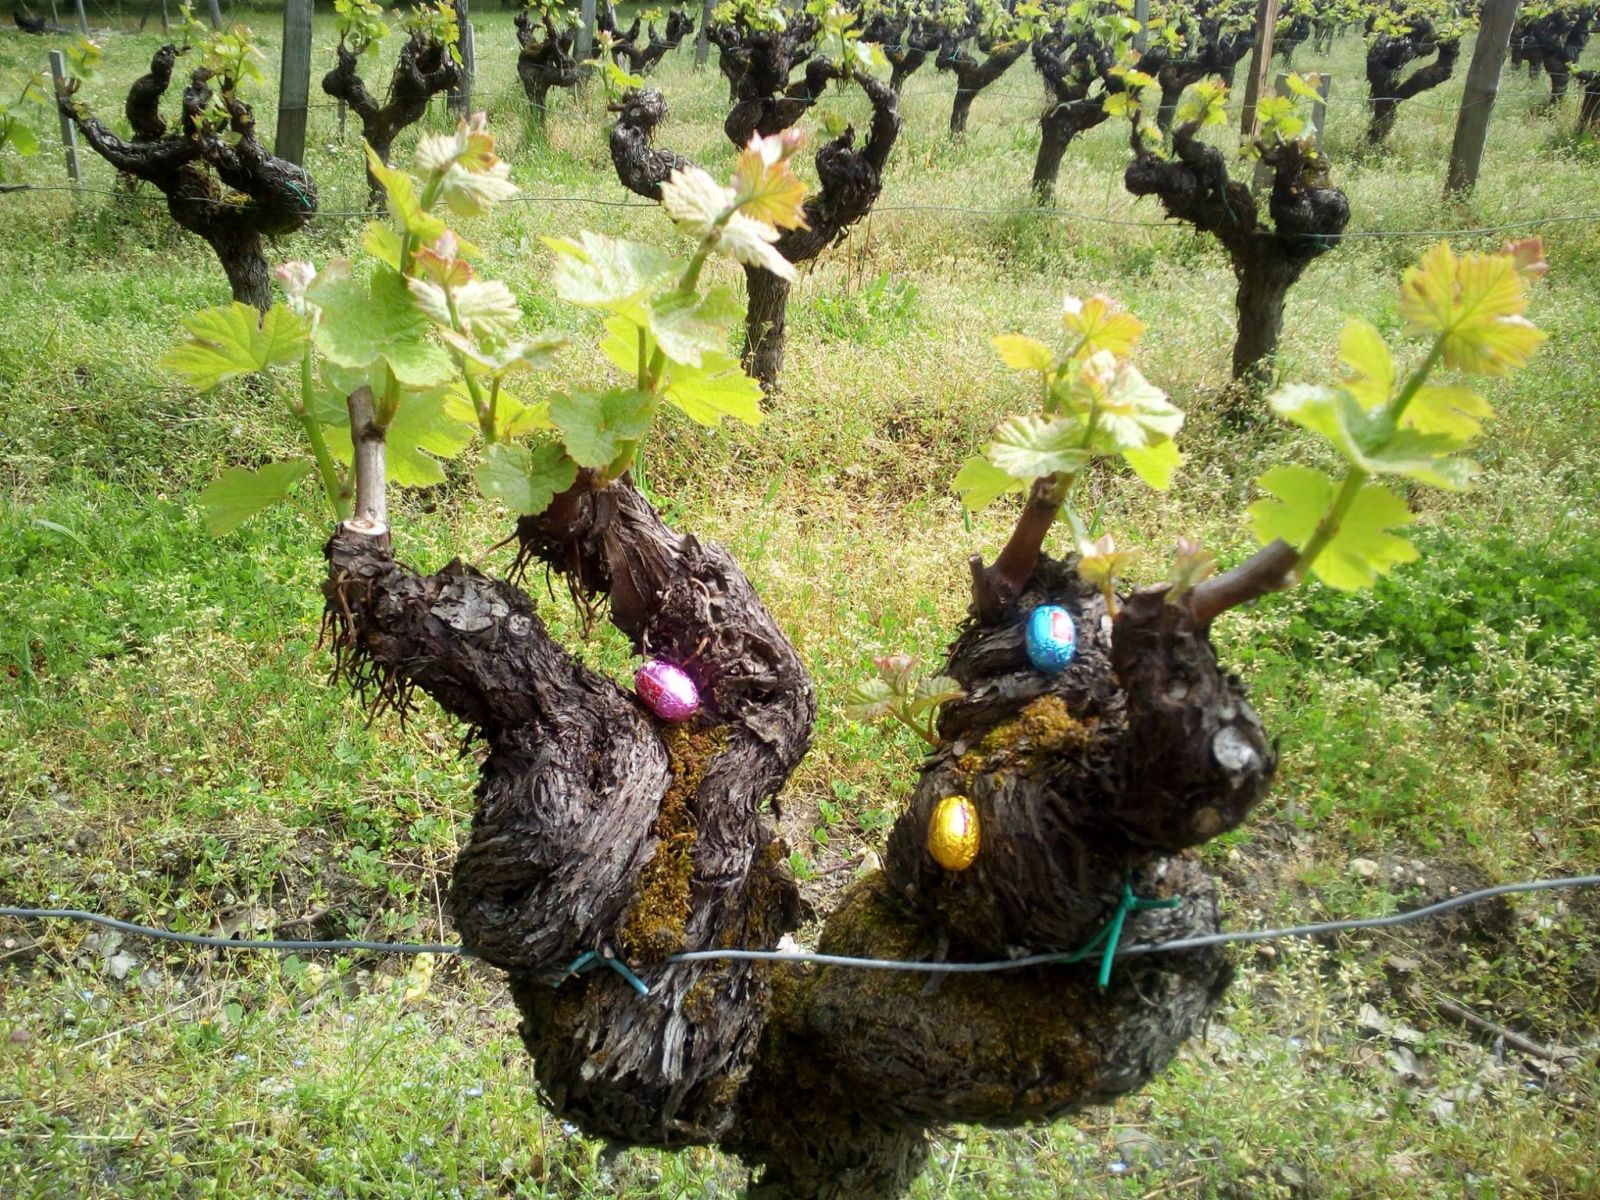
[[1477, 101], [69, 131], [1260, 65], [1141, 14], [460, 102], [702, 40], [294, 82]]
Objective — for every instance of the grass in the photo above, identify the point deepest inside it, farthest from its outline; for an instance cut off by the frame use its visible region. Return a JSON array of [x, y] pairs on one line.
[[170, 751]]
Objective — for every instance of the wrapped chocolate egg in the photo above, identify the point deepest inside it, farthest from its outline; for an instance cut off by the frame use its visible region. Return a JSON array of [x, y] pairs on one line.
[[1052, 638], [666, 690], [953, 833]]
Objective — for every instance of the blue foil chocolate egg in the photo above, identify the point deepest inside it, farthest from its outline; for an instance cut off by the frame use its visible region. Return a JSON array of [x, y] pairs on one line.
[[1052, 638]]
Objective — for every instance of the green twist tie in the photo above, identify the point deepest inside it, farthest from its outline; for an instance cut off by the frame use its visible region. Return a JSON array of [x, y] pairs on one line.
[[1110, 934], [589, 960]]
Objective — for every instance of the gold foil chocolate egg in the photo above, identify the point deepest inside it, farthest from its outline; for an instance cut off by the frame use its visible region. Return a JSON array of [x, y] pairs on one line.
[[953, 833]]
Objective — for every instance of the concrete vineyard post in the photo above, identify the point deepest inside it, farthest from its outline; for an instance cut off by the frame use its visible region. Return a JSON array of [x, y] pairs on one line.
[[69, 131], [1141, 14], [702, 40], [1477, 100], [585, 48], [294, 82]]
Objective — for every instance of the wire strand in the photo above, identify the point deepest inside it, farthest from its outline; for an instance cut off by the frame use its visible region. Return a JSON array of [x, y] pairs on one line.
[[842, 960]]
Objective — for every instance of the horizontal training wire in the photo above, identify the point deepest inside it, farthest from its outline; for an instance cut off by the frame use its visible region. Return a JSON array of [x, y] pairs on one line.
[[1053, 213], [841, 960]]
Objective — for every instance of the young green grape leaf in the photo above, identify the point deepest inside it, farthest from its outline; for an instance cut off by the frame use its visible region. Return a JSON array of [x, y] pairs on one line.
[[473, 193], [704, 208], [1156, 464], [869, 700], [1474, 305], [608, 273], [233, 340], [364, 321], [1369, 367], [1452, 412], [1133, 412], [1368, 441], [401, 194], [717, 388], [933, 691], [686, 326], [765, 188], [515, 418], [525, 479], [980, 483], [1023, 353], [1100, 326], [1030, 447], [383, 243], [597, 428], [1362, 547], [19, 136], [485, 307], [239, 493]]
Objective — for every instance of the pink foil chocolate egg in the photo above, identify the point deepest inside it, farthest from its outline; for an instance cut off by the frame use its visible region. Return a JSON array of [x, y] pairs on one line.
[[666, 690]]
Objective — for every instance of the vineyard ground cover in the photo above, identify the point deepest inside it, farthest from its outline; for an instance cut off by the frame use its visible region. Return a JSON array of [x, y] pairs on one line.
[[165, 737]]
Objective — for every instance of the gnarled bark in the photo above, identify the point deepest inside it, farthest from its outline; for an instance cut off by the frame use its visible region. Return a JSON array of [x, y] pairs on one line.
[[425, 69], [972, 76], [599, 829], [220, 182], [850, 179], [1387, 58], [1210, 52], [1308, 216], [1071, 71], [766, 101], [546, 61]]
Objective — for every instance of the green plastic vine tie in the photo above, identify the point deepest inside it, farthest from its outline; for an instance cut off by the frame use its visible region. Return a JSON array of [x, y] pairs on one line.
[[1113, 931], [589, 959]]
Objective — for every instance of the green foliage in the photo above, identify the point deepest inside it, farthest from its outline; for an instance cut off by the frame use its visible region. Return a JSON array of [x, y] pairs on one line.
[[230, 54], [435, 22], [1470, 308], [239, 494], [1094, 404], [360, 24], [21, 104], [878, 314], [897, 692], [440, 349]]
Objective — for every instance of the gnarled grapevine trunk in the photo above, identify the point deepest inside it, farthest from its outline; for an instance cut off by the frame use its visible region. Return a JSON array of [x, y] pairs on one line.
[[1308, 216], [850, 179], [1387, 59], [1070, 72], [1589, 114], [1214, 53], [972, 76], [544, 62], [220, 182], [600, 829], [425, 69]]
